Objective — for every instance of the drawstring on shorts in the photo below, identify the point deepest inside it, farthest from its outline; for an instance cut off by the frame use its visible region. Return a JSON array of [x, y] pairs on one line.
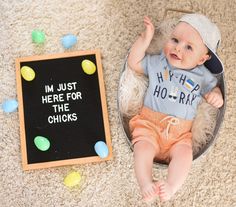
[[171, 121]]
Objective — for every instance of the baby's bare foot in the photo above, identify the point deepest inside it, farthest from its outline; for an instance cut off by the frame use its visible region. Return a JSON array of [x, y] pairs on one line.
[[150, 191], [165, 191]]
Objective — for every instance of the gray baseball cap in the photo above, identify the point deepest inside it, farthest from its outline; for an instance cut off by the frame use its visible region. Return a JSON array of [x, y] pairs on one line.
[[211, 37]]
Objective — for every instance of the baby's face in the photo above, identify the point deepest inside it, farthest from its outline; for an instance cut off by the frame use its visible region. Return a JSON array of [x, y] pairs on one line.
[[185, 48]]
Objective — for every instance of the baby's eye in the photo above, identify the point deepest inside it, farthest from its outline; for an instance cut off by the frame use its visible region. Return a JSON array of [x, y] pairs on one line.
[[189, 47], [174, 40]]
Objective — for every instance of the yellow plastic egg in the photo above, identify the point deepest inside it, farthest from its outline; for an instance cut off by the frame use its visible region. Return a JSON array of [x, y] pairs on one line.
[[88, 67], [72, 179], [27, 73]]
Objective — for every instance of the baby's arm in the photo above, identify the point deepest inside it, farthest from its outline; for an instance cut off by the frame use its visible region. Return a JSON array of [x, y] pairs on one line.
[[214, 97], [137, 51]]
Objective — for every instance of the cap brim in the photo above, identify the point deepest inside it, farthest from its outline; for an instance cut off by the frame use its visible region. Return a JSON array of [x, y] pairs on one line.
[[214, 64]]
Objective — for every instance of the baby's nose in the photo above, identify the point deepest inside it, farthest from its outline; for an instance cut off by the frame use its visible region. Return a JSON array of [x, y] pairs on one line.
[[178, 47]]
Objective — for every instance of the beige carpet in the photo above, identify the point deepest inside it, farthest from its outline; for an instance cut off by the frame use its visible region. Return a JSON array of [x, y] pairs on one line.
[[111, 26]]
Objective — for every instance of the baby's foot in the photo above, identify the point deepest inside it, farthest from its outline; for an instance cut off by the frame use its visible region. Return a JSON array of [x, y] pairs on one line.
[[165, 191], [150, 191]]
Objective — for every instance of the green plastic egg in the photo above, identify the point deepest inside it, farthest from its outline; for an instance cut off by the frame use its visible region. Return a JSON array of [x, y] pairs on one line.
[[38, 36], [27, 73], [88, 67], [72, 179], [42, 143]]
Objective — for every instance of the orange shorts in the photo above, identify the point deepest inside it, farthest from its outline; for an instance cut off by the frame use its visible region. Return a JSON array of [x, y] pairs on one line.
[[161, 130]]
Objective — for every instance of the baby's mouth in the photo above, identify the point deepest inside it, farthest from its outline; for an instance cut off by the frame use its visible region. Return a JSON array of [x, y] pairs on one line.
[[174, 56]]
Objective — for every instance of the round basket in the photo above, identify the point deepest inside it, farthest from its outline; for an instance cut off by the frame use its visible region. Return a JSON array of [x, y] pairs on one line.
[[130, 98]]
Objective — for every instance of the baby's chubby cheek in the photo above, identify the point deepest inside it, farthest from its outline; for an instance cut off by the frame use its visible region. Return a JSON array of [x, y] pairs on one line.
[[166, 49]]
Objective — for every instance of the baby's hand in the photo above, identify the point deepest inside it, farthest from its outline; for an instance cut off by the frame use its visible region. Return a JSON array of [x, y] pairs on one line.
[[214, 97], [149, 32]]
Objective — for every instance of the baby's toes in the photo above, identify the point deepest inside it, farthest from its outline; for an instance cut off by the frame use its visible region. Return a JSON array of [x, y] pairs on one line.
[[165, 191]]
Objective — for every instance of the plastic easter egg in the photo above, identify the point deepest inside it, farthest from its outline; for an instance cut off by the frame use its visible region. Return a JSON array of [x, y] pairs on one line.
[[42, 143], [72, 179], [68, 41], [9, 105], [101, 149], [88, 67], [27, 73], [38, 36]]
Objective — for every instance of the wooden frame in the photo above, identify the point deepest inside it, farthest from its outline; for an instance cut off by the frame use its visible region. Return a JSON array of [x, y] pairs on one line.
[[19, 79]]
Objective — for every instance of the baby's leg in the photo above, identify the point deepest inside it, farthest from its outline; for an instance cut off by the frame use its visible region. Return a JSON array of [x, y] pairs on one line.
[[179, 166], [144, 153]]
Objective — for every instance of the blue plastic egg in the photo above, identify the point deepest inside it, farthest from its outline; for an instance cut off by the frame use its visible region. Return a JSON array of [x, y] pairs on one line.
[[68, 41], [101, 149], [9, 105]]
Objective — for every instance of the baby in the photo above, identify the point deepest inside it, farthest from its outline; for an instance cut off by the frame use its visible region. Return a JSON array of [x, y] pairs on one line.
[[178, 79]]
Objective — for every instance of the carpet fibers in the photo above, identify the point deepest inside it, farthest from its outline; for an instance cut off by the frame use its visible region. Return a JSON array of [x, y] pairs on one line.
[[111, 26]]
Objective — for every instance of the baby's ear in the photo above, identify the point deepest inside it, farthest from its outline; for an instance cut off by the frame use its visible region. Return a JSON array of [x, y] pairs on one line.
[[204, 58]]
